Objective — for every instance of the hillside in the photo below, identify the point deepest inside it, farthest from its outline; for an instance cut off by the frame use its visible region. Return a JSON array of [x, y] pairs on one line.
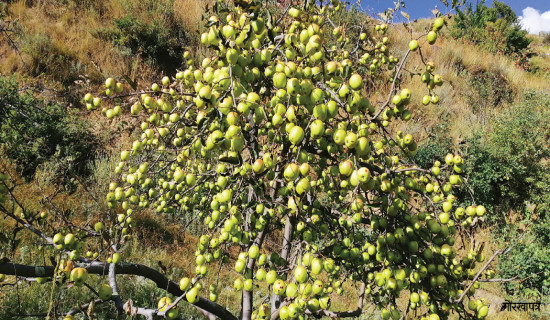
[[491, 110]]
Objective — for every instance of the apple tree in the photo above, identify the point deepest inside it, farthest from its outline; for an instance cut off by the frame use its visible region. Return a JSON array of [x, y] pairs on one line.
[[286, 133]]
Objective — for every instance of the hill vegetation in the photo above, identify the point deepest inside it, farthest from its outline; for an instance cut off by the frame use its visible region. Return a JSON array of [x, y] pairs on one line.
[[494, 111]]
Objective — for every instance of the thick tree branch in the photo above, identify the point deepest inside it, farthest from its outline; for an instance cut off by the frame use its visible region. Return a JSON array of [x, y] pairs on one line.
[[247, 295], [496, 254], [101, 268], [287, 238]]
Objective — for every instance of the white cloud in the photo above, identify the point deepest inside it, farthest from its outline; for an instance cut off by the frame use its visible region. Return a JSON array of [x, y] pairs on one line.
[[534, 22]]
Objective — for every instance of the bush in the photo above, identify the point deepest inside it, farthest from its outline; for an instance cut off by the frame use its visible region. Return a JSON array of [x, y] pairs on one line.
[[35, 132], [431, 151], [44, 56], [158, 40], [508, 161], [495, 28], [490, 89], [508, 170], [529, 261]]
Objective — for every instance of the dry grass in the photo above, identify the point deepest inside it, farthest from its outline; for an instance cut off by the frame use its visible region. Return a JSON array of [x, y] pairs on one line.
[[458, 63], [190, 12], [74, 34]]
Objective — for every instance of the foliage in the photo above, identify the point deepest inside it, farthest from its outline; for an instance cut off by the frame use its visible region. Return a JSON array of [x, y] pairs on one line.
[[508, 170], [288, 153], [529, 261], [495, 28], [508, 166], [437, 145], [35, 132], [159, 38]]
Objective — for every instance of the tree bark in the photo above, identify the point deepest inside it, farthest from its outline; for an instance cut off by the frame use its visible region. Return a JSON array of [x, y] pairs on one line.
[[287, 239], [247, 295], [102, 268]]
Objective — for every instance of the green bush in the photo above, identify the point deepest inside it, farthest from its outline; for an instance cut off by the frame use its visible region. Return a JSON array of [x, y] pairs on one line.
[[495, 28], [436, 146], [35, 132], [158, 40], [529, 261], [508, 170], [507, 164]]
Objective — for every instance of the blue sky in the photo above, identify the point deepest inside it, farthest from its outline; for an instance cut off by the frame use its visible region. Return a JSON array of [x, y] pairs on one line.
[[537, 16], [422, 8]]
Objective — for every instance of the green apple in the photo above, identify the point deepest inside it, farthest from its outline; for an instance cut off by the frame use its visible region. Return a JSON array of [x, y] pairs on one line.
[[438, 23], [291, 172], [316, 266], [254, 252], [300, 274], [248, 285], [261, 274], [345, 167], [356, 82], [240, 265], [185, 283], [291, 290], [271, 277], [79, 276], [413, 45], [279, 287], [192, 295], [432, 37], [296, 135], [258, 166], [105, 292], [317, 128]]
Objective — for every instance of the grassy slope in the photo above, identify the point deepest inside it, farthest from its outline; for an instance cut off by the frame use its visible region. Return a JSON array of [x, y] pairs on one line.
[[69, 32]]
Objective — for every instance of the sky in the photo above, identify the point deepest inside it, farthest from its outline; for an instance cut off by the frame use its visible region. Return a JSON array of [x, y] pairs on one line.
[[534, 15]]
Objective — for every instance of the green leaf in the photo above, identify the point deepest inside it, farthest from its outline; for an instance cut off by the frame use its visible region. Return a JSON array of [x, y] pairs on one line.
[[231, 160], [269, 20]]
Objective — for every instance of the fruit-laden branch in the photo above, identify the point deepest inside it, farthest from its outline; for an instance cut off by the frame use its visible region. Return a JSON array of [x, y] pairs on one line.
[[339, 314], [25, 223], [347, 314], [496, 254], [390, 94], [102, 268]]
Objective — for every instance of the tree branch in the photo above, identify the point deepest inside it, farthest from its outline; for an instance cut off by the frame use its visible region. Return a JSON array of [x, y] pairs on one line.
[[101, 268], [497, 253], [287, 238], [347, 314]]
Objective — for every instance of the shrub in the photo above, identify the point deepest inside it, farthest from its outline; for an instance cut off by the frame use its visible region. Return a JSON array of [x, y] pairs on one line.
[[158, 40], [495, 28], [45, 56], [508, 161], [490, 89], [529, 261], [36, 131]]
